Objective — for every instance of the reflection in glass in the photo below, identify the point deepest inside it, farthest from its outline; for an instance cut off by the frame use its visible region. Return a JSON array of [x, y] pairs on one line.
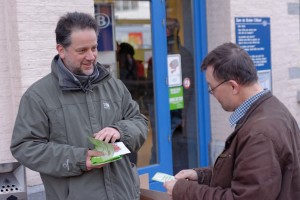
[[183, 121], [133, 36], [131, 61]]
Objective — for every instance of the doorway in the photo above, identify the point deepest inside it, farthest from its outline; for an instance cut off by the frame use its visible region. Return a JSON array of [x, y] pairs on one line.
[[153, 53]]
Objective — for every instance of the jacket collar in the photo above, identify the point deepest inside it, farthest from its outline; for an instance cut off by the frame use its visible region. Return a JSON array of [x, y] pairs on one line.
[[68, 81], [244, 119]]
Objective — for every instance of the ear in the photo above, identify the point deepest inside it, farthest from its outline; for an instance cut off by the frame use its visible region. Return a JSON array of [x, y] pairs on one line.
[[61, 51], [235, 86]]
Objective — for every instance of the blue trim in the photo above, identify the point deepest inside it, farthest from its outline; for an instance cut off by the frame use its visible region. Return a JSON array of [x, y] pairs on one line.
[[160, 74], [203, 107], [163, 121], [159, 52]]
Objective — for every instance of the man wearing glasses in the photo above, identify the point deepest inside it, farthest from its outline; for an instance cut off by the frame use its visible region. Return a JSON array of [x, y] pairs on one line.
[[261, 158]]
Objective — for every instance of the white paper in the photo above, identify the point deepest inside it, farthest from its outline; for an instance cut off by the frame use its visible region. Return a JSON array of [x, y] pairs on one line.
[[122, 149], [162, 177]]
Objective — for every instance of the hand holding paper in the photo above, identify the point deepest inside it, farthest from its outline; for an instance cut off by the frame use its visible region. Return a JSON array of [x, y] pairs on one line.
[[167, 180], [162, 177], [111, 152]]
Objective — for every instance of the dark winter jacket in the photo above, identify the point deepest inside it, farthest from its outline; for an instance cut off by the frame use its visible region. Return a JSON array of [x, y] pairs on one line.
[[261, 159], [51, 130]]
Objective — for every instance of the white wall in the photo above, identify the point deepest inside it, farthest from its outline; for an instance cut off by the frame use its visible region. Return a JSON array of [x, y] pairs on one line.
[[218, 32], [9, 75], [27, 46]]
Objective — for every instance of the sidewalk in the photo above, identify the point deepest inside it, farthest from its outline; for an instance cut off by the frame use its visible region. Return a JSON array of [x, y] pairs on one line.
[[36, 192]]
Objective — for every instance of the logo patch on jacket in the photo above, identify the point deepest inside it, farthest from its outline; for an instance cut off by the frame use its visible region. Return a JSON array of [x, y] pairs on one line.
[[106, 106]]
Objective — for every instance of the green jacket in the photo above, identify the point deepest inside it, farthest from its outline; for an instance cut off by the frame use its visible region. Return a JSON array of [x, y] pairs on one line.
[[51, 130]]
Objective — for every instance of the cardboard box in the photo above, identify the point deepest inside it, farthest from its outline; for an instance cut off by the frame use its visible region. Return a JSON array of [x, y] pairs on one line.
[[147, 194], [144, 181]]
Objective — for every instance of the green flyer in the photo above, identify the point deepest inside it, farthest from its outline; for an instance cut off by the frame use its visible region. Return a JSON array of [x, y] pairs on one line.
[[176, 98]]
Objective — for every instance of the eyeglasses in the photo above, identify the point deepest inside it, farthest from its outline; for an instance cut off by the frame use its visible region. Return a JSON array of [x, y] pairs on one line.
[[211, 91]]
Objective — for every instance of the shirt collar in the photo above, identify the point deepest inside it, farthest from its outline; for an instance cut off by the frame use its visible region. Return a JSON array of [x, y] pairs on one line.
[[244, 107]]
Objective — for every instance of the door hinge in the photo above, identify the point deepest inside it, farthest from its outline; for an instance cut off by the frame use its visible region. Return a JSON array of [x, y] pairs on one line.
[[163, 22]]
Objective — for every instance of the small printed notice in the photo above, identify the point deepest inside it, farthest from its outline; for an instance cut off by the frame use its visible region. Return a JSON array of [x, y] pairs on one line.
[[253, 35], [174, 70], [162, 177]]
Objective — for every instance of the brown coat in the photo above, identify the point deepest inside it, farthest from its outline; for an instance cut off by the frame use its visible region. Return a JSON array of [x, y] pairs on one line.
[[261, 159]]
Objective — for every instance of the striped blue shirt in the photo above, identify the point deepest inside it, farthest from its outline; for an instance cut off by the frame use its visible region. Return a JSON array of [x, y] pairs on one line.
[[244, 107]]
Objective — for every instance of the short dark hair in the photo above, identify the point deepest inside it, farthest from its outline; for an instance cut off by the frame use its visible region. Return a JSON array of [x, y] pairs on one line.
[[231, 62], [126, 48], [70, 22]]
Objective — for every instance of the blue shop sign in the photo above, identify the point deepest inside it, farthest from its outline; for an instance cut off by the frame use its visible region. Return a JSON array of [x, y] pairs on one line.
[[253, 35], [104, 19]]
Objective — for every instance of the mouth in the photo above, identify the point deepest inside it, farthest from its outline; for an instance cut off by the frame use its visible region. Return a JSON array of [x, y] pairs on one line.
[[87, 66]]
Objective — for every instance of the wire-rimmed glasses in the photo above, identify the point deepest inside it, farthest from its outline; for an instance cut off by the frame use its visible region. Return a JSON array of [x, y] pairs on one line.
[[211, 91]]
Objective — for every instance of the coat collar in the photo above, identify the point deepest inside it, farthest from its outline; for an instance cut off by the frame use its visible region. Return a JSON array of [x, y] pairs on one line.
[[244, 119], [68, 81]]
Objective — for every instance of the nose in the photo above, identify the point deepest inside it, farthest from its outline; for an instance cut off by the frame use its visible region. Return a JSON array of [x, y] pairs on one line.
[[90, 55]]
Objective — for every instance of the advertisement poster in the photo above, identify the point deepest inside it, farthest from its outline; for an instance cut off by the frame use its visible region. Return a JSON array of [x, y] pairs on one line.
[[135, 39], [103, 14], [174, 70], [176, 98]]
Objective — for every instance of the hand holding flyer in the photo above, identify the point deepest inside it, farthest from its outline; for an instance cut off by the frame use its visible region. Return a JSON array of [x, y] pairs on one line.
[[162, 177], [112, 151]]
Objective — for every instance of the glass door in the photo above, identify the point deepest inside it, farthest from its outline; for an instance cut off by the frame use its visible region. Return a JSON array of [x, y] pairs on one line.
[[149, 46], [132, 44], [181, 73]]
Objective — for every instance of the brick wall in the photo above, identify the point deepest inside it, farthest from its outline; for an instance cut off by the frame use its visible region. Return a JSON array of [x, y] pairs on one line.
[[284, 51], [218, 32], [9, 74], [27, 46]]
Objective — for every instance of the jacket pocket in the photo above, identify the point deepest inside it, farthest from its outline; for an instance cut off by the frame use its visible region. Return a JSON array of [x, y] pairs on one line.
[[223, 159], [223, 171]]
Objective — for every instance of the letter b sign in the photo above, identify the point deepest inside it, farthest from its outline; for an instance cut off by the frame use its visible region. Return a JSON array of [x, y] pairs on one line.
[[103, 20]]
